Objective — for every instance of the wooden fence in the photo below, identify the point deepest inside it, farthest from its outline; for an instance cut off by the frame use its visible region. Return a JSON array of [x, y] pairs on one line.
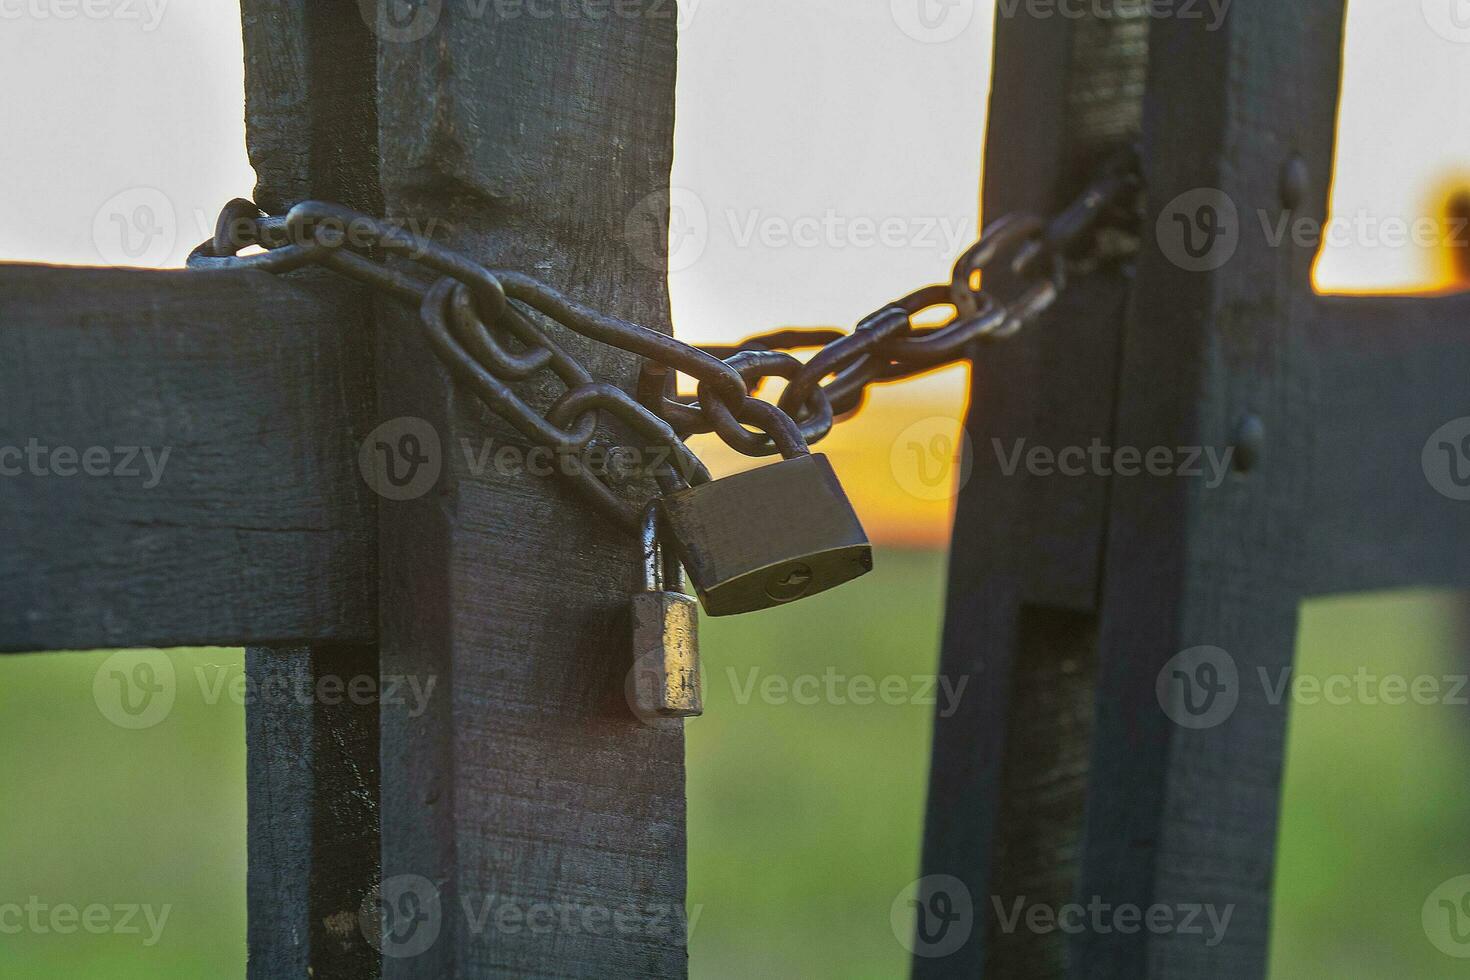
[[531, 140]]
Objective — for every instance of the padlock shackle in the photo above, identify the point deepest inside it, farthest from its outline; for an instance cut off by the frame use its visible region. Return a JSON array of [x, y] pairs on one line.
[[658, 569], [650, 564]]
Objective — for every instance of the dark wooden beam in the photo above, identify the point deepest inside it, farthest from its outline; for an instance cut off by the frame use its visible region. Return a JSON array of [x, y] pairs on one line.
[[1182, 799], [312, 115], [255, 527], [1075, 777], [315, 893], [312, 761], [1391, 373], [528, 786], [1009, 766]]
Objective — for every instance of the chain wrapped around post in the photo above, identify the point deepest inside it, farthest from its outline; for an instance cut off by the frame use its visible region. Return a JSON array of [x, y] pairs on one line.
[[483, 324]]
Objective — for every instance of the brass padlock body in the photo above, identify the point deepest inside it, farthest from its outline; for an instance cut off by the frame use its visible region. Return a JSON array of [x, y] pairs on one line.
[[664, 682], [768, 536], [666, 655]]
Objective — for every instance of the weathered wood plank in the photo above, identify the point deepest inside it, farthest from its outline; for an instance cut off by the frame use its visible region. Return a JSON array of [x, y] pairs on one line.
[[179, 460], [1113, 799], [530, 786], [312, 117], [1185, 775], [1009, 766], [312, 759], [311, 130], [1391, 373]]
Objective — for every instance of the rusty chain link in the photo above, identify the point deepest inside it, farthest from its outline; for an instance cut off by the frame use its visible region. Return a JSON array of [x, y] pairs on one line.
[[482, 324]]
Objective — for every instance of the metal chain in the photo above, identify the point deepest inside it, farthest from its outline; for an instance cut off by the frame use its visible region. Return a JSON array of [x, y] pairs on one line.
[[483, 324]]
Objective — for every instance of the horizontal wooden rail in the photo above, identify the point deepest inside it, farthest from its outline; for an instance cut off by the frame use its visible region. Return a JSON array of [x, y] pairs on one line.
[[178, 460], [1391, 372]]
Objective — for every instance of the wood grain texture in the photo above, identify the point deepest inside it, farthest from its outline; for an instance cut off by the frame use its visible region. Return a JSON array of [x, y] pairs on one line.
[[1186, 816], [312, 762], [1067, 780], [314, 841], [309, 102], [529, 789], [255, 528], [1389, 372], [1009, 767]]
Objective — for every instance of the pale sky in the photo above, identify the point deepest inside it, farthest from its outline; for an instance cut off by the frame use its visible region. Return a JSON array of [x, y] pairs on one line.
[[832, 158]]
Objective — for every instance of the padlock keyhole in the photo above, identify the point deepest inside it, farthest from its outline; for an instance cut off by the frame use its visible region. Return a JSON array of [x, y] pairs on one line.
[[791, 582]]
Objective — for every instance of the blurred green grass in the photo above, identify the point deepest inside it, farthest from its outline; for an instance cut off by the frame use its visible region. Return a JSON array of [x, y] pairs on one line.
[[804, 819]]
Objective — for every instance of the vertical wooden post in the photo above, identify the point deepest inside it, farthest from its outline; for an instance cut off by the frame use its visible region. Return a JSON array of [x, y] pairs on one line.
[[1185, 813], [1067, 781], [529, 824], [537, 823], [312, 761], [313, 820], [1009, 766], [527, 803]]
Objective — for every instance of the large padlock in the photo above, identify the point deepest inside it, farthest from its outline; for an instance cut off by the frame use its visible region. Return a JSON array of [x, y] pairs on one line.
[[664, 682], [768, 536]]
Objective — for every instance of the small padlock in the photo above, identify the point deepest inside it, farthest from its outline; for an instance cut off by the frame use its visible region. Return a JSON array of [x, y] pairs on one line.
[[664, 682], [768, 536]]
